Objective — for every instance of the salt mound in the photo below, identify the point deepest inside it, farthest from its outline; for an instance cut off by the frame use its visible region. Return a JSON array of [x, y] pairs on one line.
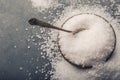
[[88, 47], [44, 3]]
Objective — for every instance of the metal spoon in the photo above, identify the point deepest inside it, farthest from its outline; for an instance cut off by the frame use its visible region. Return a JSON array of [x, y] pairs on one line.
[[34, 21]]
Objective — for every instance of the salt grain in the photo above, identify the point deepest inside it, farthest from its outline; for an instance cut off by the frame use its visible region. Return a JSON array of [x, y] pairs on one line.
[[62, 70], [21, 68], [44, 3], [28, 47]]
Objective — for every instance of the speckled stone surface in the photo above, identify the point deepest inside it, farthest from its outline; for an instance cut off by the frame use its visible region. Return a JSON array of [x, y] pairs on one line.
[[19, 43]]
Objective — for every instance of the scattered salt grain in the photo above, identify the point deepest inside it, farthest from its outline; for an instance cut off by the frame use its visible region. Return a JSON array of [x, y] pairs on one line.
[[44, 3], [16, 29], [15, 46], [21, 68], [29, 74], [26, 29], [62, 70], [36, 72], [28, 47]]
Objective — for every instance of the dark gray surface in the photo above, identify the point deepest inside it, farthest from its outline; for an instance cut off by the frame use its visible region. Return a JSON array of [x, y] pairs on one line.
[[17, 61]]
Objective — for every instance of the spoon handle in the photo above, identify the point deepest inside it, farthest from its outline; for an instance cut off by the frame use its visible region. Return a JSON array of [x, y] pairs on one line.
[[34, 21]]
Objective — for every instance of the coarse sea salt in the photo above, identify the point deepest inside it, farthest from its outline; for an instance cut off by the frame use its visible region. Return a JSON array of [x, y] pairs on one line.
[[44, 4], [90, 46], [63, 70]]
